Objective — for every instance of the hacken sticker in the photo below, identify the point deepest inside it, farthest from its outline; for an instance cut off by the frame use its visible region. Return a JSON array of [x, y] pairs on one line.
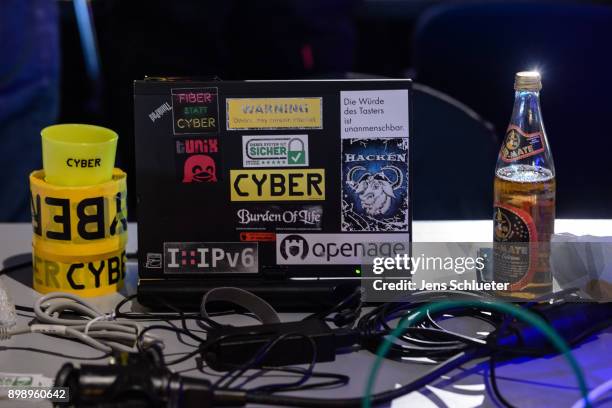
[[195, 110], [197, 159], [275, 151], [375, 185], [274, 113], [277, 185]]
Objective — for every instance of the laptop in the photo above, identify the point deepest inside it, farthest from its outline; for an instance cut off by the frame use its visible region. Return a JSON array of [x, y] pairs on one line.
[[277, 187]]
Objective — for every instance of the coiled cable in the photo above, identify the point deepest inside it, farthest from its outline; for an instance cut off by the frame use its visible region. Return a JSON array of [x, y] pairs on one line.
[[87, 324]]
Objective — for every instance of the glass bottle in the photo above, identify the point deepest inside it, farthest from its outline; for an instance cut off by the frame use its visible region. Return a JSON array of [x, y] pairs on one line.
[[524, 197]]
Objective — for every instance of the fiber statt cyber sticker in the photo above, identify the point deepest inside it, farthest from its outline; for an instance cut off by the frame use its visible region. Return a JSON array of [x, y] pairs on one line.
[[274, 113], [195, 110], [83, 276]]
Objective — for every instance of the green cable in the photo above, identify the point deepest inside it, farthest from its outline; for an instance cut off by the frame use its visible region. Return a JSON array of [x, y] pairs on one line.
[[518, 312]]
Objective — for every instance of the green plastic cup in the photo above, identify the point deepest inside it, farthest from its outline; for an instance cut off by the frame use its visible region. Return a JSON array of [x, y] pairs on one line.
[[78, 155]]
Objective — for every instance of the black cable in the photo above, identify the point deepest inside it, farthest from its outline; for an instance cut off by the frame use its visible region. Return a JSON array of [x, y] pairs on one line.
[[494, 385], [179, 336], [347, 311], [140, 348], [428, 339], [336, 380], [148, 315], [268, 372], [379, 398], [307, 373], [261, 354]]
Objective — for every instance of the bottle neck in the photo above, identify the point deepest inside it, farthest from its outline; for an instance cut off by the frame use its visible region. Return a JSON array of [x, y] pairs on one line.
[[526, 113]]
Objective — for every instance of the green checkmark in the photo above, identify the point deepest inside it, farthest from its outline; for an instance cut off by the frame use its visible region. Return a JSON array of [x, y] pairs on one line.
[[296, 157]]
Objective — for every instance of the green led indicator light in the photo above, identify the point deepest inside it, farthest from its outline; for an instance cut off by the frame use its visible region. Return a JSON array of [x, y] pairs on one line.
[[358, 271]]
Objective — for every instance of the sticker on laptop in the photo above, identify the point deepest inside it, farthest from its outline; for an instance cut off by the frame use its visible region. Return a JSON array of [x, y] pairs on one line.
[[274, 113], [375, 185], [337, 249], [278, 218], [197, 159], [195, 110], [160, 112], [275, 151], [369, 114], [257, 236], [210, 257], [277, 185]]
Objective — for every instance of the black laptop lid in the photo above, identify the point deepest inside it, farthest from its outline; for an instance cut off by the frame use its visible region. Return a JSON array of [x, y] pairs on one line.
[[260, 179]]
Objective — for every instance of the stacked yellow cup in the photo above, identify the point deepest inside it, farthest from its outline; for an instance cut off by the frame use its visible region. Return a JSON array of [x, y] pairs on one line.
[[79, 212]]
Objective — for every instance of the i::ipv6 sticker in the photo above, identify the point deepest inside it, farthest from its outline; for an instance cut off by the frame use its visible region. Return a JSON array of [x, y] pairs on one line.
[[374, 114]]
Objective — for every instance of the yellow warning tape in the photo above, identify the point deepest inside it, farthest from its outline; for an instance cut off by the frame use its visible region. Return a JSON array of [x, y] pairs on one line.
[[80, 234], [79, 220], [84, 276]]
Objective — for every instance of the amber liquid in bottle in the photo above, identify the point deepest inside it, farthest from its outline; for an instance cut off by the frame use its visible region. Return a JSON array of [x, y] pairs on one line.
[[524, 197]]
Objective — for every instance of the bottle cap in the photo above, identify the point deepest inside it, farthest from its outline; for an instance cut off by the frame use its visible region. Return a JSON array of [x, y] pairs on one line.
[[527, 81]]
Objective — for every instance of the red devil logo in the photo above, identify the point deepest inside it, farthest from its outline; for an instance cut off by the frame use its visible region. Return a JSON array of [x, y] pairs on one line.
[[199, 168]]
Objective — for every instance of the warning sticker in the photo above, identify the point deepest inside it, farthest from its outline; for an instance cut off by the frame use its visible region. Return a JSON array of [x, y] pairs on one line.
[[274, 113]]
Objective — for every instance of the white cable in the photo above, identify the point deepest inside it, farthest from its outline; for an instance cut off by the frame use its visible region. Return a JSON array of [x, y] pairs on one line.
[[106, 317], [98, 330], [594, 394]]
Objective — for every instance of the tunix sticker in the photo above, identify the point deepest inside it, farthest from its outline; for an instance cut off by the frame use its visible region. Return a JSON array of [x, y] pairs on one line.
[[195, 110], [375, 185], [210, 257], [277, 185], [274, 113], [197, 159], [368, 114], [275, 151]]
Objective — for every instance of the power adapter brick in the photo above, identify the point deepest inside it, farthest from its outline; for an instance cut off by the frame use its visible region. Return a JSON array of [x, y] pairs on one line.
[[284, 343]]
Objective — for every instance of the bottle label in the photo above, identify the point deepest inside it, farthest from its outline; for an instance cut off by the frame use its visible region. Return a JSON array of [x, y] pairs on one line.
[[519, 144], [515, 252]]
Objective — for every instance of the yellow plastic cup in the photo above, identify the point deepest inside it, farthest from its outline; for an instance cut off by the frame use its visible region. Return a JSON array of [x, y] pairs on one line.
[[78, 155]]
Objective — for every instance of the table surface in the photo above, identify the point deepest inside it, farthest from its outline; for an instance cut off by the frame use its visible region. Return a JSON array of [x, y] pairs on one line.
[[525, 382]]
